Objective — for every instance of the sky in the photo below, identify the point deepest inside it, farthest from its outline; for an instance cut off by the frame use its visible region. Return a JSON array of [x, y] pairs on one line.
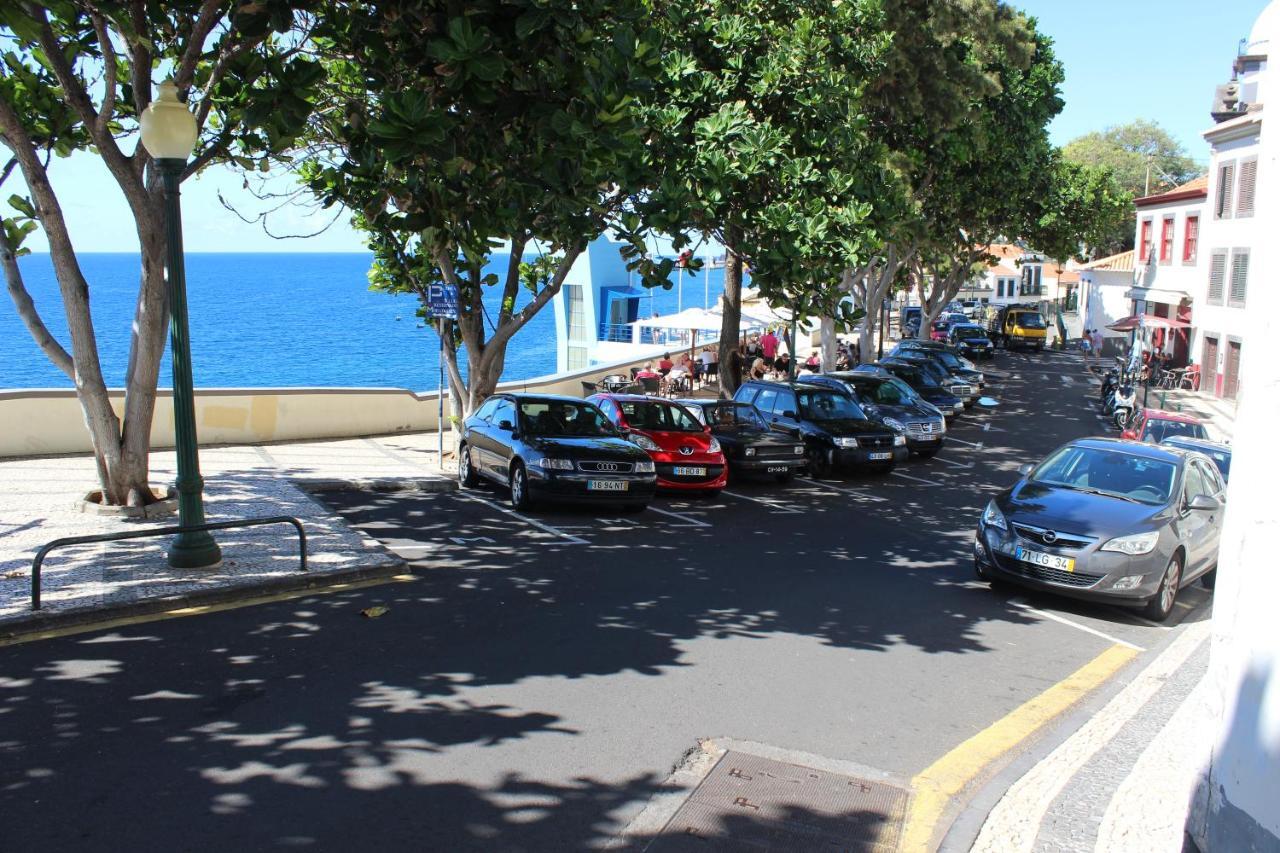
[[1124, 60]]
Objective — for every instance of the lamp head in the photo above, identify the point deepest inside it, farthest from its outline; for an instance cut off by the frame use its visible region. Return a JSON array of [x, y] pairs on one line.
[[168, 127]]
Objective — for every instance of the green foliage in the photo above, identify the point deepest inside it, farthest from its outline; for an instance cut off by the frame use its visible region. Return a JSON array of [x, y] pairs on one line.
[[1078, 207]]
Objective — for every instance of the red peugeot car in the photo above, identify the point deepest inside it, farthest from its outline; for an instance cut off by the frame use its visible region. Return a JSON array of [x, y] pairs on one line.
[[1155, 425], [686, 454]]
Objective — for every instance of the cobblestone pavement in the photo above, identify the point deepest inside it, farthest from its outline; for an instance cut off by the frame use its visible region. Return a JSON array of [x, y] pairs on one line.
[[40, 501], [1123, 782]]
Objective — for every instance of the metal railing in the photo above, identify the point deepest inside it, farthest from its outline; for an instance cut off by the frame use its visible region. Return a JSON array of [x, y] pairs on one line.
[[161, 531]]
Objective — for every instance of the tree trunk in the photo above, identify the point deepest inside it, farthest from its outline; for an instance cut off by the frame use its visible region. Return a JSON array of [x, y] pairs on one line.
[[731, 318], [827, 328]]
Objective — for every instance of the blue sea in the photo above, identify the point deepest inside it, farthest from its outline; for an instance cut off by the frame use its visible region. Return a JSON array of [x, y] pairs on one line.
[[279, 320]]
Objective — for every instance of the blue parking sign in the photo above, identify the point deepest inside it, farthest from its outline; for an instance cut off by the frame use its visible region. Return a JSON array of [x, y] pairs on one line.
[[442, 301]]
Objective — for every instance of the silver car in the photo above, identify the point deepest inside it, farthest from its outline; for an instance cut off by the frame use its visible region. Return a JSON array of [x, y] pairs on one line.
[[1107, 520]]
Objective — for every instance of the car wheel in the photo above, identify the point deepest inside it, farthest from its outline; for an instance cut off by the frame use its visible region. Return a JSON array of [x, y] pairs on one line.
[[820, 466], [1161, 604], [520, 498], [466, 474], [784, 478], [1209, 579]]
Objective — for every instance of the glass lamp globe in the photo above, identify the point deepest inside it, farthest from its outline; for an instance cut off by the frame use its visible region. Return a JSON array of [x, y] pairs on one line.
[[168, 127]]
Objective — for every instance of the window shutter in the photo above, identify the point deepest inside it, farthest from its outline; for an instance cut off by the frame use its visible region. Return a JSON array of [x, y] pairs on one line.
[[1239, 276], [1226, 180], [1190, 238], [1217, 275], [1248, 184]]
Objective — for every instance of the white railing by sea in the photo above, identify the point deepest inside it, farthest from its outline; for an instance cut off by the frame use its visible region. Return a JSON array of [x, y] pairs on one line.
[[42, 422]]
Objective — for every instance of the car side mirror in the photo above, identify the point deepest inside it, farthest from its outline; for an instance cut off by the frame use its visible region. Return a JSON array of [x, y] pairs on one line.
[[1204, 503], [506, 425], [789, 414], [1024, 470]]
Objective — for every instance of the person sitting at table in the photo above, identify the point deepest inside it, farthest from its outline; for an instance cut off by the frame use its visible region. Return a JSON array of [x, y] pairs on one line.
[[782, 364], [758, 369], [647, 372], [665, 364], [678, 378]]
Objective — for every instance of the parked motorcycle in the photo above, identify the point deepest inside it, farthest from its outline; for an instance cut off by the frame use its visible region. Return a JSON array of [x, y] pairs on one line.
[[1124, 404]]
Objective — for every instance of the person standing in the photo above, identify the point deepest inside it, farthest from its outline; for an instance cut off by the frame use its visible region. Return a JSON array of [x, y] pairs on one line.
[[769, 345], [1097, 343]]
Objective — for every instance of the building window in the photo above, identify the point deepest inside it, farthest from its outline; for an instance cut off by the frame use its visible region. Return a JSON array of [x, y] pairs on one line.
[[1190, 236], [1226, 181], [1248, 185], [1166, 240], [1144, 241], [577, 313], [577, 358], [1239, 277], [1217, 276]]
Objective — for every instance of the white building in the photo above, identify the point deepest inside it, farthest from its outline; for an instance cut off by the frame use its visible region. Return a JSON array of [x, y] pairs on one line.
[[1169, 279], [1104, 297]]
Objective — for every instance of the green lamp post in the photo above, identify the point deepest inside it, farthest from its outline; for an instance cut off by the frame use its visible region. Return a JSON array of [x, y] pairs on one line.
[[169, 135]]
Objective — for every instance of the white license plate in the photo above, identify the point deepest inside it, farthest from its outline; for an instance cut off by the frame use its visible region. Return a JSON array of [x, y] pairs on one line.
[[874, 457], [925, 437], [607, 485], [777, 469], [1049, 561], [681, 471]]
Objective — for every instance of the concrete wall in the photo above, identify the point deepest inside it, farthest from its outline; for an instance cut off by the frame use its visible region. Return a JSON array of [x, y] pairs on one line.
[[41, 422]]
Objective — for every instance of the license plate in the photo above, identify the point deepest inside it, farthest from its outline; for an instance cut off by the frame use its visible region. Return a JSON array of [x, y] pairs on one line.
[[1049, 561], [777, 469], [680, 471], [927, 437], [878, 456], [607, 485]]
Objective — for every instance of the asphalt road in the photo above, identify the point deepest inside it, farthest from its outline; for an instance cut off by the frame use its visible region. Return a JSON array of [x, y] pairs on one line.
[[538, 677]]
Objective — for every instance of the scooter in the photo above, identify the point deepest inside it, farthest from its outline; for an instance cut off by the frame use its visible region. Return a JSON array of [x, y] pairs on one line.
[[1124, 403]]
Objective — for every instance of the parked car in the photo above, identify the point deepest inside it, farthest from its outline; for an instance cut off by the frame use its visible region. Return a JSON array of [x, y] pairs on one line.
[[1155, 425], [896, 406], [1107, 520], [939, 330], [955, 385], [972, 340], [946, 357], [921, 382], [835, 431], [972, 308], [1018, 326], [909, 320], [1217, 451], [749, 445], [687, 456], [553, 448]]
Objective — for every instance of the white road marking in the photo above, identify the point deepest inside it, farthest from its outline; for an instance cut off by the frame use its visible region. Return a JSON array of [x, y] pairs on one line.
[[1066, 380], [978, 445], [916, 479], [1065, 621], [546, 528], [689, 521], [463, 540], [774, 505], [945, 461], [857, 493]]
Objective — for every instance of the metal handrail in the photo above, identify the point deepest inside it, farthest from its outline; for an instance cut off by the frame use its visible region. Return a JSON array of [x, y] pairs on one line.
[[161, 531]]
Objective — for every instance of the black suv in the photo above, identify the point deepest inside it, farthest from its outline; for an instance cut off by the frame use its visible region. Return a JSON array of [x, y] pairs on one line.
[[883, 399], [557, 448], [921, 381], [836, 432]]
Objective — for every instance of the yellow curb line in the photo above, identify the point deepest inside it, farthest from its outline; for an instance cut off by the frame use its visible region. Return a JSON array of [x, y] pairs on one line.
[[200, 609], [935, 786]]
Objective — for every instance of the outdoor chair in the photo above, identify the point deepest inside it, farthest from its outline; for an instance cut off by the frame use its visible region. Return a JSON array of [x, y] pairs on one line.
[[1190, 379], [651, 385], [589, 388]]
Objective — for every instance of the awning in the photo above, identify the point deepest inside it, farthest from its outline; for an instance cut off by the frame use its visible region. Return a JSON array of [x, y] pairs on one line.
[[1149, 321], [1155, 294], [695, 319]]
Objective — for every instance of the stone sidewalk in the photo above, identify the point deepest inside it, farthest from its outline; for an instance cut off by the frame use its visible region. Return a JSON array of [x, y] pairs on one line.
[[40, 499]]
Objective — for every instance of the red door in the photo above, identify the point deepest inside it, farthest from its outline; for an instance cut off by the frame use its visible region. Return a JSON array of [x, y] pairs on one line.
[[1231, 377], [1209, 366]]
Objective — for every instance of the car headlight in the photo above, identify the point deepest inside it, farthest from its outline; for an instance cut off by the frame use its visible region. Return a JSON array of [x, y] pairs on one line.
[[557, 464], [846, 441], [993, 517], [1138, 543], [895, 424], [645, 467], [714, 446], [644, 442], [750, 451], [899, 440]]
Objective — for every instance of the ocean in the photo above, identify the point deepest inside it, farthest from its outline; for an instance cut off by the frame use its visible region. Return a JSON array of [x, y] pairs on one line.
[[279, 320]]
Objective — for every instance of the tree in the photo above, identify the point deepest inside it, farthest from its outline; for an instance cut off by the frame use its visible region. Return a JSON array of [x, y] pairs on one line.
[[761, 140], [1144, 159], [453, 128], [74, 77]]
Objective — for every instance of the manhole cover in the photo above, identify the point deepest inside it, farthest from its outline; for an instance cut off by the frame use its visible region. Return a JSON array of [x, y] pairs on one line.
[[754, 803]]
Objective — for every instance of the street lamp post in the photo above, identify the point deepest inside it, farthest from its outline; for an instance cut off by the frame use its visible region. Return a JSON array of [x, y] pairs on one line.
[[169, 135]]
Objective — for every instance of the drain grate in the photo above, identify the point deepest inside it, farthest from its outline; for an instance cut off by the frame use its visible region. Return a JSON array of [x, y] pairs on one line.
[[751, 803]]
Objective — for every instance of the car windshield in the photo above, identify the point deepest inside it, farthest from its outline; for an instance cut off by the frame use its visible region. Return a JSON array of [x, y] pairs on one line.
[[829, 406], [663, 417], [563, 418], [965, 333], [1029, 319], [734, 416], [1158, 430], [919, 377], [1221, 458], [940, 326], [908, 393], [1108, 472]]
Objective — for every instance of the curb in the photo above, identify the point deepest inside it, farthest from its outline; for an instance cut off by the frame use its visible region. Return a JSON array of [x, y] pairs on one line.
[[30, 627], [383, 484]]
